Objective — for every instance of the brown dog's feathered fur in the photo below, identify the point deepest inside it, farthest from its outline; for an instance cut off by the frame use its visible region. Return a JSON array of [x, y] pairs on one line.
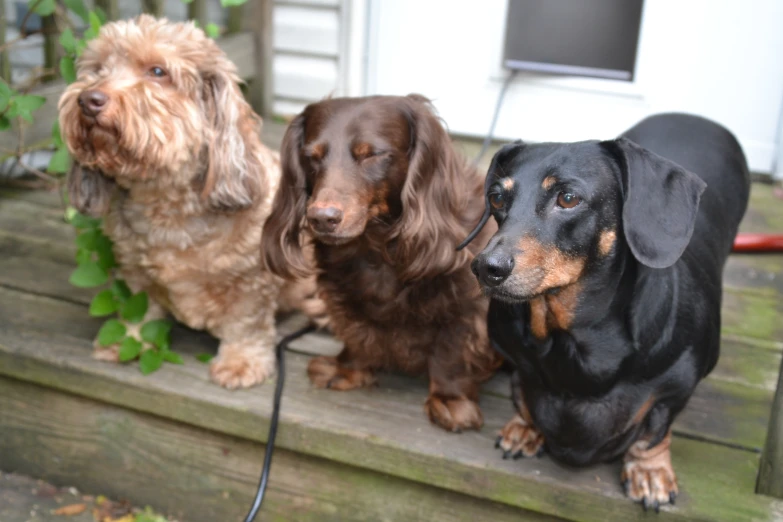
[[380, 189], [172, 157]]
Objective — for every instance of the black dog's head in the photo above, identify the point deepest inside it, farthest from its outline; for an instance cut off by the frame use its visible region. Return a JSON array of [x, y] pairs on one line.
[[563, 209]]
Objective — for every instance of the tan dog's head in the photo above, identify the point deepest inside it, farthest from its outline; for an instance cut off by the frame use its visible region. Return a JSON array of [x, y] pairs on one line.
[[160, 102]]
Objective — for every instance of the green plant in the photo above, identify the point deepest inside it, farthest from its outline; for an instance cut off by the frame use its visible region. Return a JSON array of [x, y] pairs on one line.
[[148, 342]]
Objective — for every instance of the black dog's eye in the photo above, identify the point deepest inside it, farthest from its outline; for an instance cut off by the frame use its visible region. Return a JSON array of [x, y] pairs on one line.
[[496, 200], [157, 72], [568, 200]]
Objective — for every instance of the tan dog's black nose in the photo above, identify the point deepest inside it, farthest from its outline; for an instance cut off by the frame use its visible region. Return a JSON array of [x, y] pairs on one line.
[[324, 219], [92, 102]]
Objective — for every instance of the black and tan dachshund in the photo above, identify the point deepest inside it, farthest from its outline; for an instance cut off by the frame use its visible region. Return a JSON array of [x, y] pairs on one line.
[[605, 285]]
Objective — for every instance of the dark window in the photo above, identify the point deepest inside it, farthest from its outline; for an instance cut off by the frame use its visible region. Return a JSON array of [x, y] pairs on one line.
[[577, 37]]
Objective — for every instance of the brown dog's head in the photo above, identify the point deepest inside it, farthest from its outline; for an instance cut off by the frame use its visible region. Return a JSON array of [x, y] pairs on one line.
[[382, 167], [158, 101]]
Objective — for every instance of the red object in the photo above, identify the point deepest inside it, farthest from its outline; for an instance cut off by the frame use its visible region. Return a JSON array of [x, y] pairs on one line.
[[758, 243]]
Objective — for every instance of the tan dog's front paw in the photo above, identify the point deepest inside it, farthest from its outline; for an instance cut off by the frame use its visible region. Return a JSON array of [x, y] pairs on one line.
[[109, 353], [519, 438], [241, 370], [648, 476], [454, 414], [326, 372]]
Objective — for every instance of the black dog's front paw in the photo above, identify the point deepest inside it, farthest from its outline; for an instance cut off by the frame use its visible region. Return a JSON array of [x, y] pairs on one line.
[[519, 439]]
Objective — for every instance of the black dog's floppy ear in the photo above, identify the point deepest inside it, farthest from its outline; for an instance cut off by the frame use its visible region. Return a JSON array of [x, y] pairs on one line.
[[660, 205], [487, 183]]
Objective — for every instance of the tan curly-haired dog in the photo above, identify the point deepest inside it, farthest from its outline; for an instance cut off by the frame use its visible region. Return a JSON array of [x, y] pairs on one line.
[[169, 151]]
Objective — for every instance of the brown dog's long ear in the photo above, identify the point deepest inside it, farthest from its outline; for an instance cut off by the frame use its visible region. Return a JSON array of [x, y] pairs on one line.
[[89, 191], [433, 206], [281, 243], [235, 175], [660, 205]]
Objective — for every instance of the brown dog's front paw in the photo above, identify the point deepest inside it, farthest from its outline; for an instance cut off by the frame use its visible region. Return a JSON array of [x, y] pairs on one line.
[[241, 370], [326, 372], [519, 438], [648, 476], [454, 414]]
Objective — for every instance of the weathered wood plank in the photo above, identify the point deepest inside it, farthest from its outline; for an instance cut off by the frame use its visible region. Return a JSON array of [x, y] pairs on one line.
[[258, 19], [239, 47], [202, 476], [382, 429], [771, 466]]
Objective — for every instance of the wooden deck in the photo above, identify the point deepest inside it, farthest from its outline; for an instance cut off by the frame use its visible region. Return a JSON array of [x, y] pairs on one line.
[[186, 447]]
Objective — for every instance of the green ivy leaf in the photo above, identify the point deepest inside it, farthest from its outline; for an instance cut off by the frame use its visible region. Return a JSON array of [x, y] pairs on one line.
[[134, 308], [95, 23], [103, 304], [112, 332], [173, 357], [130, 349], [204, 357], [24, 105], [60, 162], [68, 41], [42, 7], [78, 8], [56, 135], [103, 247], [156, 332], [5, 123], [68, 69], [230, 3], [86, 239], [150, 361], [212, 30], [101, 14], [120, 290], [81, 221], [88, 275], [83, 256]]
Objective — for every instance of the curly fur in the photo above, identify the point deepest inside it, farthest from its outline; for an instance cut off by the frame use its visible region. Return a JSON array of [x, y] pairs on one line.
[[175, 163], [398, 293]]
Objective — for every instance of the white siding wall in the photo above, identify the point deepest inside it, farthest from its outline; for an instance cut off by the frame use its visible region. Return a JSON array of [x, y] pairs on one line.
[[307, 42], [722, 59]]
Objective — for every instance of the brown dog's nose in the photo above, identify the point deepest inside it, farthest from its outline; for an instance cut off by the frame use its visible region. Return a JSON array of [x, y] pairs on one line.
[[324, 219], [92, 102]]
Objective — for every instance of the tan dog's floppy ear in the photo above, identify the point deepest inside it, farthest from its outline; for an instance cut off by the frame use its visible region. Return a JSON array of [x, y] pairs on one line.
[[281, 241], [660, 204], [234, 174], [89, 191], [432, 205]]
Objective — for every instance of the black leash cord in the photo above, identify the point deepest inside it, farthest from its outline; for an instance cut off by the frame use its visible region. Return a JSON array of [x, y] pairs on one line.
[[270, 440]]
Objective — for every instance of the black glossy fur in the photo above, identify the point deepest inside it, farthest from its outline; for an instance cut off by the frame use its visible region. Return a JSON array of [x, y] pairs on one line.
[[642, 317]]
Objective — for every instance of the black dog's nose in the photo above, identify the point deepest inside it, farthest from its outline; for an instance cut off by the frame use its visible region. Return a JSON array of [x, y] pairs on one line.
[[92, 102], [493, 269], [324, 219]]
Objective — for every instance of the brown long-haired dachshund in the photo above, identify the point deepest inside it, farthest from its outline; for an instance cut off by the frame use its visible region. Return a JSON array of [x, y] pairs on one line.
[[377, 185]]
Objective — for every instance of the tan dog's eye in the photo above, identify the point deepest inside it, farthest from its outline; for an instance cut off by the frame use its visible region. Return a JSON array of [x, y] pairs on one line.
[[497, 201], [568, 200], [157, 72]]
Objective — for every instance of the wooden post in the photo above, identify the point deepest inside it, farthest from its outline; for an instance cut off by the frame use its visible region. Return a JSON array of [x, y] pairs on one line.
[[153, 7], [197, 10], [770, 480], [258, 19], [49, 28], [235, 16], [110, 7], [5, 64]]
